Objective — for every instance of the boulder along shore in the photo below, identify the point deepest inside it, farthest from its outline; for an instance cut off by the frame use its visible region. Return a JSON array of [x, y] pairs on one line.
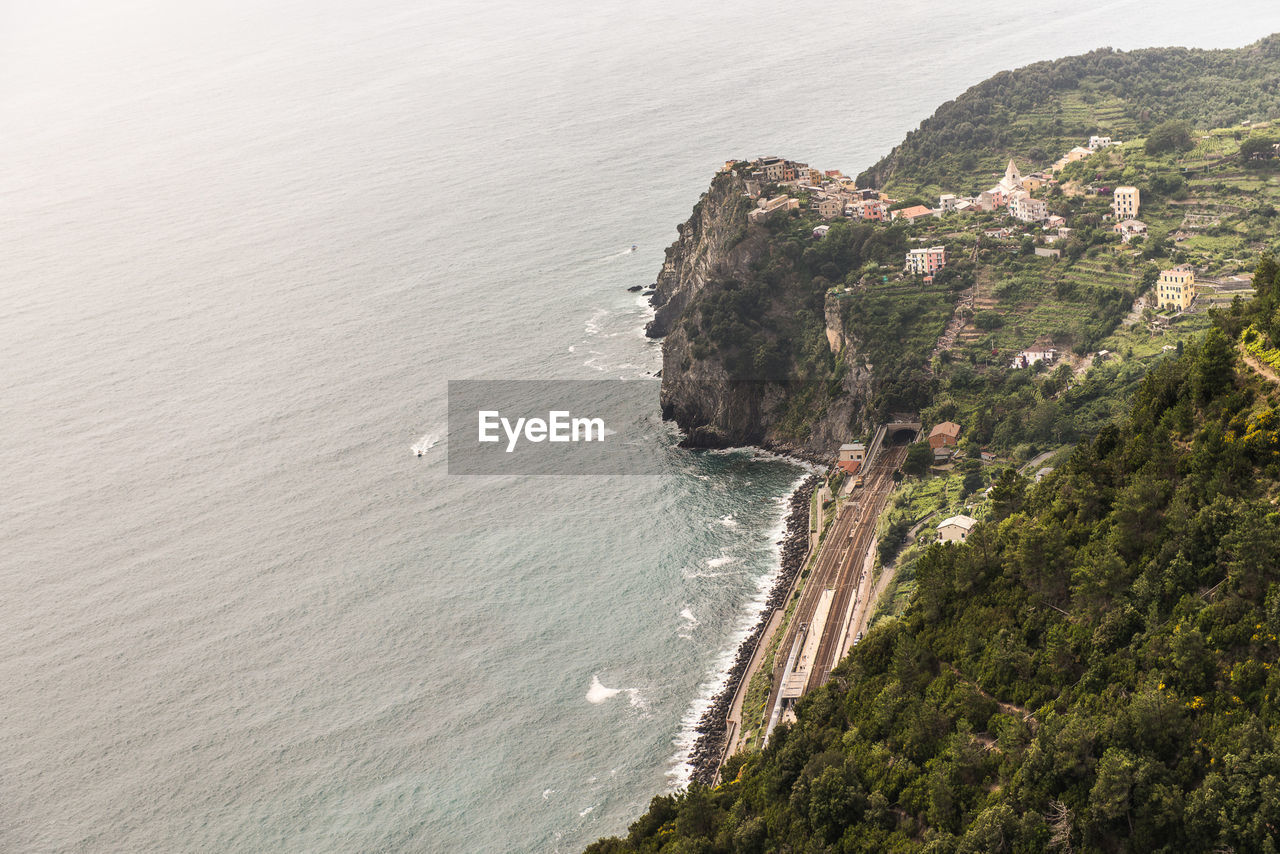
[[707, 750]]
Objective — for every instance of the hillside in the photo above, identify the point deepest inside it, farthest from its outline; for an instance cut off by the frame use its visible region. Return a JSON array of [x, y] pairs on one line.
[[1043, 109], [1094, 670]]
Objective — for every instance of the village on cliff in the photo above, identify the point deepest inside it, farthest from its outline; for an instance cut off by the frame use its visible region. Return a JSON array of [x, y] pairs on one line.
[[833, 195]]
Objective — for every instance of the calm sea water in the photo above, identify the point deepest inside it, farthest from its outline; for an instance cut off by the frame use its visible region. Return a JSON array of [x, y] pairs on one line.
[[245, 245]]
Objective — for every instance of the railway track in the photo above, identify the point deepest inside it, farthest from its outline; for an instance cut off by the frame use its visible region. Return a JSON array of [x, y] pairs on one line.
[[839, 569]]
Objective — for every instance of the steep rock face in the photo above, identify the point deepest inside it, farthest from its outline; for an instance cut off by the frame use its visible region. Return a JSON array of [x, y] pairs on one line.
[[712, 241], [712, 408]]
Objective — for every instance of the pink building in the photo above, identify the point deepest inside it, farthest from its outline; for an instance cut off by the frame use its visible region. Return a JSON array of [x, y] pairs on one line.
[[926, 262], [872, 209]]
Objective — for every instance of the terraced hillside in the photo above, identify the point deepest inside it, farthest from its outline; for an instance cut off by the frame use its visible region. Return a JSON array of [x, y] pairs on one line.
[[1043, 109]]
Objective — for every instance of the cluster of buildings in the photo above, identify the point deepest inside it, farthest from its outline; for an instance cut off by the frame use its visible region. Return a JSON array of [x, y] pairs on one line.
[[832, 195], [1013, 191]]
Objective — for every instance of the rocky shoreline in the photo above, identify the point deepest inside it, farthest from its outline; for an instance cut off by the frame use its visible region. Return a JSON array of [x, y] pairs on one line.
[[709, 747]]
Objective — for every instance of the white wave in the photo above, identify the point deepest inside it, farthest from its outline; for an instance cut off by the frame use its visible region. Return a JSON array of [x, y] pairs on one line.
[[690, 623], [717, 562], [584, 813], [729, 521], [592, 325], [598, 693], [547, 793], [693, 574]]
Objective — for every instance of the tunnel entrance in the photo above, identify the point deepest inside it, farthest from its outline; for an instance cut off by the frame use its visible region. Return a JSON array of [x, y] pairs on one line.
[[902, 436]]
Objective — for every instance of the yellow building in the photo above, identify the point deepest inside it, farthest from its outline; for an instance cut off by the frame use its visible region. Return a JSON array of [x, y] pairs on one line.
[[1125, 203], [1176, 288]]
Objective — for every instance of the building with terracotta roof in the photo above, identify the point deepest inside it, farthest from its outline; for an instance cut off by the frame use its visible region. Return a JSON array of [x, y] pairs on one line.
[[944, 435], [913, 213]]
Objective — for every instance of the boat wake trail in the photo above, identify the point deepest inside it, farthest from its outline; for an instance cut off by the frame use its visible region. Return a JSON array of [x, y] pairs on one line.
[[427, 442]]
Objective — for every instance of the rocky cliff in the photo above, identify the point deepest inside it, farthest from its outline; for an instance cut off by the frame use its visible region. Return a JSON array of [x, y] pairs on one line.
[[713, 241], [808, 408]]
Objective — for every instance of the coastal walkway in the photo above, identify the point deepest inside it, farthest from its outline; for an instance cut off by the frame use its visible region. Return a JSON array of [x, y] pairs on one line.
[[734, 731]]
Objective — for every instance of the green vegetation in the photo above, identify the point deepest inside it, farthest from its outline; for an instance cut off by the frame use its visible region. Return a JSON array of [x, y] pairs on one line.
[[896, 326], [919, 458], [1042, 110], [1094, 670], [1169, 136], [769, 325]]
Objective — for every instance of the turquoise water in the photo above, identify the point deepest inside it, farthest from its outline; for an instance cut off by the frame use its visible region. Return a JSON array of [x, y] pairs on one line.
[[246, 246]]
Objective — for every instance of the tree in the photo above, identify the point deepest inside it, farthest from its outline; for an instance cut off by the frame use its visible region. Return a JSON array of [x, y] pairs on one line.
[[1257, 148], [1213, 366], [919, 458], [1169, 136]]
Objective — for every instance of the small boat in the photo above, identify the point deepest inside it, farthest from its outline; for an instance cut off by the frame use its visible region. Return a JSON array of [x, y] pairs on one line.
[[634, 247]]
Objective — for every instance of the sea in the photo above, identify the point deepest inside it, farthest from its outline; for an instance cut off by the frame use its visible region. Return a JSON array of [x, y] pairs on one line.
[[244, 246]]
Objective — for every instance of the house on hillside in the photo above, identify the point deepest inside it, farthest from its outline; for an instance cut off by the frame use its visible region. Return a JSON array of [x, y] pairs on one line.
[[1099, 142], [1035, 353], [956, 529], [772, 167], [850, 457], [853, 452], [926, 262], [1130, 229], [1033, 183], [913, 213], [944, 435], [1077, 153], [828, 207], [1176, 288], [870, 210], [767, 207], [1125, 202], [1026, 209]]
